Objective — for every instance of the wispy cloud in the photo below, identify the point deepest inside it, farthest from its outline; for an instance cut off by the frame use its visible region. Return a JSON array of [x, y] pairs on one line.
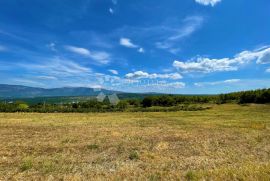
[[208, 2], [229, 81], [115, 72], [145, 75], [26, 82], [57, 67], [207, 65], [78, 50], [114, 2], [3, 48], [52, 46], [46, 77], [189, 25], [99, 56], [268, 70]]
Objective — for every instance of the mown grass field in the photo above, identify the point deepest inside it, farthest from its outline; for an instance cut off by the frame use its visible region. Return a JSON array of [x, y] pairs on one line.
[[227, 142]]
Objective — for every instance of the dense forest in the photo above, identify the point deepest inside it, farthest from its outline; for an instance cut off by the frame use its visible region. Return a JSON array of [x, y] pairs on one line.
[[149, 103]]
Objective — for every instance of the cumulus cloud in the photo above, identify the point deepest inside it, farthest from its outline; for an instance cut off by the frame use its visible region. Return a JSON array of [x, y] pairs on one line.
[[207, 65], [127, 43], [115, 72], [208, 2], [99, 56], [145, 75], [229, 81]]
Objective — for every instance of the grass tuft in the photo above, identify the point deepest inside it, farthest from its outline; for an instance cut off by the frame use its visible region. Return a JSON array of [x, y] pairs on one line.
[[191, 176], [134, 155], [92, 146], [26, 164]]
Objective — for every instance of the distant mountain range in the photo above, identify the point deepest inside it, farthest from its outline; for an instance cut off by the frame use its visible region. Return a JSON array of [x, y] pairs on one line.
[[19, 91]]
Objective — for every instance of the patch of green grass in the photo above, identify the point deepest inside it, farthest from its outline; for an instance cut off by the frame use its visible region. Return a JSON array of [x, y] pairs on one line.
[[68, 140], [155, 177], [48, 166], [92, 146], [26, 164], [190, 175], [134, 155]]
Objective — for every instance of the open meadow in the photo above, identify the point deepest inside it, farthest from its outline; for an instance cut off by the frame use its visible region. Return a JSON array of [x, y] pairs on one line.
[[227, 142]]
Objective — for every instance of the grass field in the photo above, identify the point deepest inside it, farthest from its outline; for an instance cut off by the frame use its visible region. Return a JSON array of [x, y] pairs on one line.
[[227, 142]]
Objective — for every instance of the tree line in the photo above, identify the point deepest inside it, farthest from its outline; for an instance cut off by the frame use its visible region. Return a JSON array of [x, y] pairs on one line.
[[168, 102]]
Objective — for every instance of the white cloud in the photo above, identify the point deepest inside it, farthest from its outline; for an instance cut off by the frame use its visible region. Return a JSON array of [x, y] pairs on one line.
[[114, 2], [176, 85], [78, 50], [264, 57], [46, 77], [268, 70], [141, 50], [127, 43], [111, 10], [206, 65], [208, 2], [145, 75], [229, 81], [115, 72], [99, 56]]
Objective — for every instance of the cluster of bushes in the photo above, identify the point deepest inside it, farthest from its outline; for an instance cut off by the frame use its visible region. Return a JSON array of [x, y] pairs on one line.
[[87, 106], [173, 100]]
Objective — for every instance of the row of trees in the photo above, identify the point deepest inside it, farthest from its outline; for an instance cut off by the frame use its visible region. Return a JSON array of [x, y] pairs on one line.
[[260, 96], [257, 96]]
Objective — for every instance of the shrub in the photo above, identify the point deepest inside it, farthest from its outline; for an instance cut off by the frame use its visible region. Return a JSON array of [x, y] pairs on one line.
[[147, 102]]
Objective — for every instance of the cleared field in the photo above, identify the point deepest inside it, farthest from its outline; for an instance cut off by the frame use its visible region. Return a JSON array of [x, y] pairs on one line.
[[227, 142]]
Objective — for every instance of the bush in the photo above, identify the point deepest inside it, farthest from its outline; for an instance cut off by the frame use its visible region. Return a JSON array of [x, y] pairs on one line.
[[147, 102]]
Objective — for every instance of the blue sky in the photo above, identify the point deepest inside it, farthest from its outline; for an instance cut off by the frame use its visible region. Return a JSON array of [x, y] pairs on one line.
[[176, 46]]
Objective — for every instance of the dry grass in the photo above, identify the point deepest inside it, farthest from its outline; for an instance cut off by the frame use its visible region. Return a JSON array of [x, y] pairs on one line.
[[228, 142]]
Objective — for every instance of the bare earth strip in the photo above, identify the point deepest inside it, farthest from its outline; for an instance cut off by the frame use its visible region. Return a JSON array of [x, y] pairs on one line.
[[227, 142]]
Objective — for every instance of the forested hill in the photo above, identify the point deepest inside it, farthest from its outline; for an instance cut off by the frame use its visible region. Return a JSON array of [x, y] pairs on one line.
[[18, 91]]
